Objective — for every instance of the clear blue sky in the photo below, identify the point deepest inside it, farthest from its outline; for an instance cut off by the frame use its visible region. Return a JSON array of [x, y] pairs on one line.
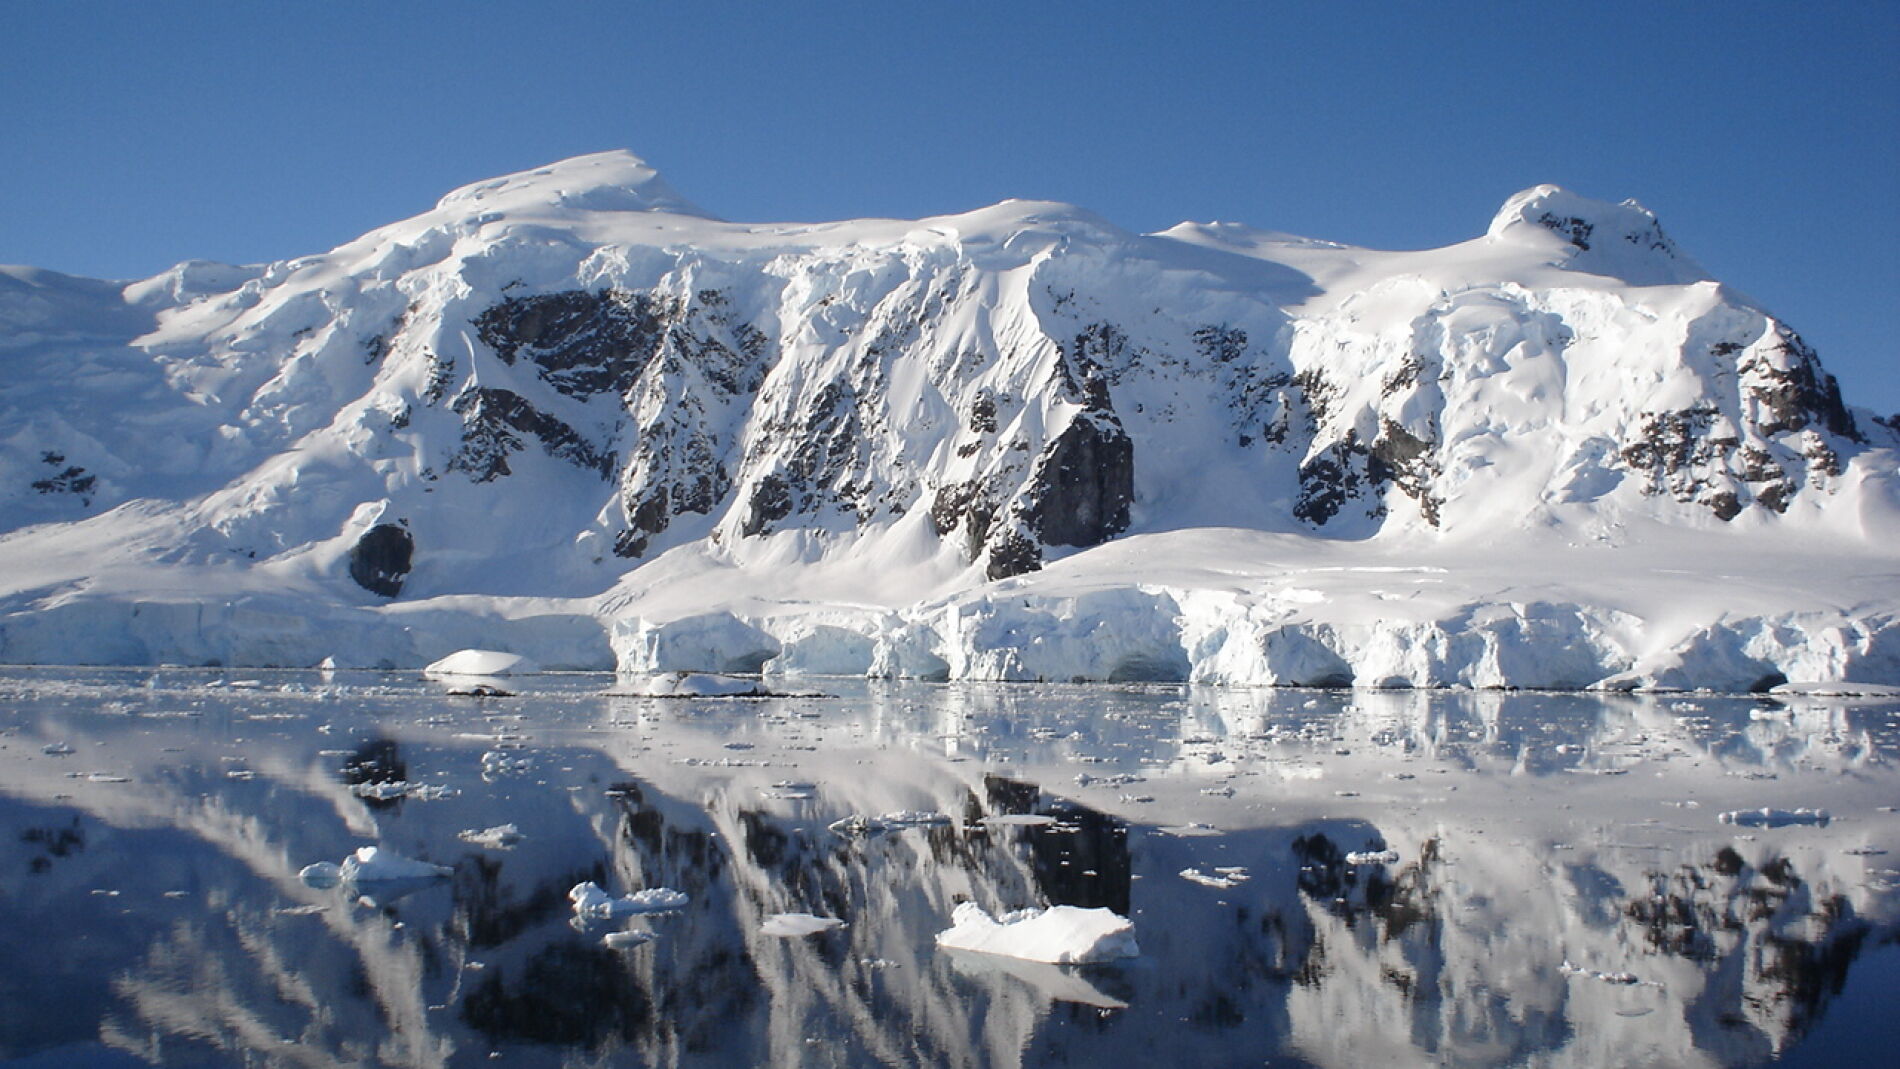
[[1765, 135]]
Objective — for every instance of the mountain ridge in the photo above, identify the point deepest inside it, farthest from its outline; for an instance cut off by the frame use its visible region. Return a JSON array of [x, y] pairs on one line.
[[554, 379]]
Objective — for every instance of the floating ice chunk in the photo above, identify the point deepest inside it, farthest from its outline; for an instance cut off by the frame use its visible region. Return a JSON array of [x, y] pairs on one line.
[[859, 826], [1029, 820], [1060, 934], [502, 762], [627, 940], [321, 874], [1775, 818], [914, 818], [694, 685], [1221, 877], [426, 792], [1192, 830], [1373, 857], [499, 837], [592, 902], [794, 925], [1626, 979], [57, 749], [1117, 779], [372, 863], [481, 663]]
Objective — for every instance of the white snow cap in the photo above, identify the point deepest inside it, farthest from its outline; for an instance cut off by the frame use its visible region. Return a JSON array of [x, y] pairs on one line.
[[616, 181], [1618, 240]]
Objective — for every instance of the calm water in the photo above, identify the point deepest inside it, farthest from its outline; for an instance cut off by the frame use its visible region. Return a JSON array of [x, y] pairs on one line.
[[1564, 890]]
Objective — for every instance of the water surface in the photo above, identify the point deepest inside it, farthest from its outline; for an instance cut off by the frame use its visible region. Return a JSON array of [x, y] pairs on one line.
[[1560, 890]]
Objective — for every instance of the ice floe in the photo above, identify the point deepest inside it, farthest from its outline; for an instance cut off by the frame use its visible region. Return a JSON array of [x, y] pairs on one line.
[[1060, 934], [370, 864], [384, 792], [590, 902], [693, 685], [499, 837], [1373, 857], [794, 925], [1223, 877], [858, 825]]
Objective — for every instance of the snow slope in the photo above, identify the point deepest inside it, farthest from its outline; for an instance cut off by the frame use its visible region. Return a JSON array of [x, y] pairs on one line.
[[568, 414]]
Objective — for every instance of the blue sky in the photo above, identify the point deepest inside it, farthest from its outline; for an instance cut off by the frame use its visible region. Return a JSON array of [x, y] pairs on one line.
[[1765, 135]]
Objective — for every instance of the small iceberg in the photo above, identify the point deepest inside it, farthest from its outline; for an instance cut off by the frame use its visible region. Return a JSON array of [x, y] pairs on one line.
[[481, 663], [795, 925], [1223, 877], [592, 903], [1060, 935], [499, 837], [858, 826], [693, 685], [505, 763], [371, 864], [627, 940], [1373, 857]]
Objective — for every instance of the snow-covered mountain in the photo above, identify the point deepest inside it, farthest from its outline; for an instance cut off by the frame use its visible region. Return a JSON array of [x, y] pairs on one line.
[[569, 413]]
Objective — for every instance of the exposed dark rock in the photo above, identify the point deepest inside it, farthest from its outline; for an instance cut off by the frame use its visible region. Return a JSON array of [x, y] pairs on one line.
[[1012, 553], [68, 479], [490, 420], [771, 501], [585, 342], [1797, 395], [968, 506], [380, 560], [1221, 344], [1572, 229], [441, 376], [1330, 479], [1083, 484], [1684, 454], [1407, 461], [1098, 355], [983, 413]]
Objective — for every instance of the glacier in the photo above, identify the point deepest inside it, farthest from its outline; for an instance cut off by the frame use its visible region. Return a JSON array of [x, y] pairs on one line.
[[568, 415]]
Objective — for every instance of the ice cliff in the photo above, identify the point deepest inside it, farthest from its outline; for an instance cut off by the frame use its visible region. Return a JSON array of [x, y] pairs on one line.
[[568, 414]]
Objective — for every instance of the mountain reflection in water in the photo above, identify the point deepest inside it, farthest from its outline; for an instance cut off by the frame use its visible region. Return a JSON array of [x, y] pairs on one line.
[[1316, 878]]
